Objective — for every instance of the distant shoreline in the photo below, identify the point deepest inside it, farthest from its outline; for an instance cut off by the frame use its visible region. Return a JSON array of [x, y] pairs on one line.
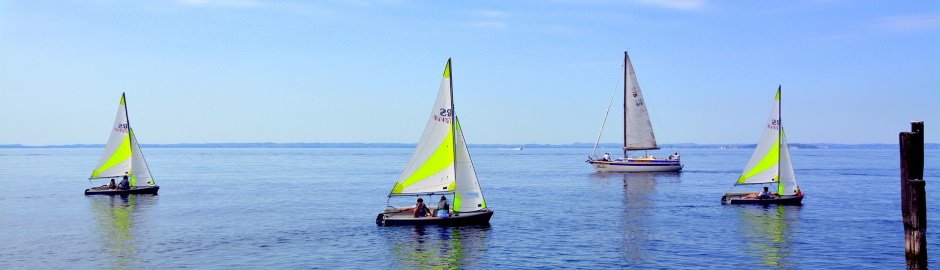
[[411, 145]]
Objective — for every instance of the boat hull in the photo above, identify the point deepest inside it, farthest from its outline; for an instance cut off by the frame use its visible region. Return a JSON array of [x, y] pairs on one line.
[[405, 218], [631, 165], [738, 198], [133, 190]]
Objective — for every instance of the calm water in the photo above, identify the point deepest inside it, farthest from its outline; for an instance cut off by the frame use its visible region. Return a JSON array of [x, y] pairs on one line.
[[302, 208]]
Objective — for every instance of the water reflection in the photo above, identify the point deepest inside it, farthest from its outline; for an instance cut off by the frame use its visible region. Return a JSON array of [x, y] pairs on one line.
[[767, 232], [116, 220], [436, 247], [638, 190]]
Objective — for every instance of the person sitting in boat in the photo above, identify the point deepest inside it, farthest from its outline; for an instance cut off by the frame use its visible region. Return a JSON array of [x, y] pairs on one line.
[[444, 212], [674, 156], [606, 157], [112, 185], [421, 210], [765, 194], [124, 184], [442, 207]]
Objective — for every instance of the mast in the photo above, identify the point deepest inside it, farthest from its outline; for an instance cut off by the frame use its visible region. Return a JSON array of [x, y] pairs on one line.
[[453, 120], [625, 58], [127, 118], [779, 128]]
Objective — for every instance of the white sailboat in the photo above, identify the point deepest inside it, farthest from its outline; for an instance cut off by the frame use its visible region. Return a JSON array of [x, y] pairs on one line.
[[637, 133], [122, 158], [769, 165], [440, 166]]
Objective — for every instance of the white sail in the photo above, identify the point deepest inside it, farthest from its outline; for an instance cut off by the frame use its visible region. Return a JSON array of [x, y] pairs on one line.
[[468, 196], [116, 159], [764, 164], [139, 172], [431, 168], [638, 129], [787, 184]]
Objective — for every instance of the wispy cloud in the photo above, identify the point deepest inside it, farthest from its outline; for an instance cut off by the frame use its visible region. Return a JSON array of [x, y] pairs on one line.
[[908, 23], [490, 13], [222, 3], [487, 24], [674, 4], [487, 18]]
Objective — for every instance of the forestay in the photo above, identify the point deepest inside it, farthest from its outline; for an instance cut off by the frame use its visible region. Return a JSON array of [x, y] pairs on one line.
[[638, 129], [431, 168], [764, 166], [468, 196]]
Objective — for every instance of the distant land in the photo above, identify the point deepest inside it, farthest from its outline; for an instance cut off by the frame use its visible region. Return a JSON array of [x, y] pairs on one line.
[[529, 145]]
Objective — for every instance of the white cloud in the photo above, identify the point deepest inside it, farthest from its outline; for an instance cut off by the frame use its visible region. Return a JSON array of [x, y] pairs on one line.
[[488, 24], [490, 13], [222, 3], [907, 23], [674, 4]]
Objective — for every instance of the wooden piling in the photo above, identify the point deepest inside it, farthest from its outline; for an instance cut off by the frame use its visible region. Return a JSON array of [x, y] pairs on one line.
[[913, 196]]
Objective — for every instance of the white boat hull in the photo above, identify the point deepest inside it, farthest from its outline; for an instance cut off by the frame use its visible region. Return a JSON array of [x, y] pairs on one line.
[[631, 165]]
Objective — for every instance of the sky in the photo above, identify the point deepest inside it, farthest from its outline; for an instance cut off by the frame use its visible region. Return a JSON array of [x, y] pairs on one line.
[[203, 71]]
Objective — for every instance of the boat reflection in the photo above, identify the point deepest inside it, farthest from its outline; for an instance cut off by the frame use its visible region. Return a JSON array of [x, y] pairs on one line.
[[116, 220], [638, 190], [768, 234], [435, 247]]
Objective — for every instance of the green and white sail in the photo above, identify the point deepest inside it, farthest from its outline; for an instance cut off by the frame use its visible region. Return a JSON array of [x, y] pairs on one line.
[[468, 196], [787, 184], [638, 130], [431, 168], [771, 162], [122, 155], [139, 172], [116, 159], [441, 163]]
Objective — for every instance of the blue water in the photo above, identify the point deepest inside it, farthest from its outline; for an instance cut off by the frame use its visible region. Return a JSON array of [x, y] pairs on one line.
[[302, 208]]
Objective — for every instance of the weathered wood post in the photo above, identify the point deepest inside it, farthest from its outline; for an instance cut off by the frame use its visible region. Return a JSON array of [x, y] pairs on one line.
[[913, 196]]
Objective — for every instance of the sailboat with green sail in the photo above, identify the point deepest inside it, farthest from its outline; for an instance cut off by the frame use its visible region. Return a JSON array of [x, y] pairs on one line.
[[122, 158], [769, 166], [440, 166]]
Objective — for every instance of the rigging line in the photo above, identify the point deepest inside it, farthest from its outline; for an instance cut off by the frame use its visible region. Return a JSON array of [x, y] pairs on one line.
[[606, 113]]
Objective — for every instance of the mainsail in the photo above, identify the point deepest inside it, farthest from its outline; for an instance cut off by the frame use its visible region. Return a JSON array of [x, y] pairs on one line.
[[638, 131], [116, 160], [122, 155], [468, 196], [431, 168], [765, 163]]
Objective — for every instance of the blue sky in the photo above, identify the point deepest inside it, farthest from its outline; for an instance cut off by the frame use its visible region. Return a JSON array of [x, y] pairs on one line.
[[524, 71]]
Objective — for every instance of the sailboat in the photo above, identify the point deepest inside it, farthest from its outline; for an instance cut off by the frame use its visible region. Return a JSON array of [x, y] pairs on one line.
[[440, 166], [637, 133], [769, 165], [122, 158]]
